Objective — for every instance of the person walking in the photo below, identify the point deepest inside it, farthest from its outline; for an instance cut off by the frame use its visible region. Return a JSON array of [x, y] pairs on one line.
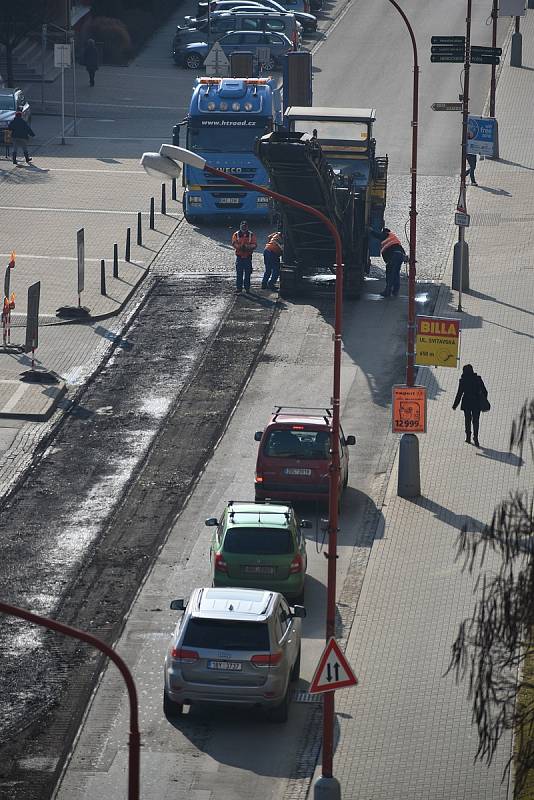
[[271, 260], [90, 59], [244, 243], [473, 395], [394, 257], [472, 162], [20, 131]]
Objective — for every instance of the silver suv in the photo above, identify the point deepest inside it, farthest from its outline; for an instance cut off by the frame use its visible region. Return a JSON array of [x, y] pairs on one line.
[[234, 646]]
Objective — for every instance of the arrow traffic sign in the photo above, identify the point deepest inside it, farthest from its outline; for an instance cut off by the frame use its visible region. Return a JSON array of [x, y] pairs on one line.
[[478, 59], [333, 671], [456, 41], [447, 106], [456, 58], [486, 51]]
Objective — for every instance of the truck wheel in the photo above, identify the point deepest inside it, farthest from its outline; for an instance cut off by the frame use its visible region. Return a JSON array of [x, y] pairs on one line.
[[193, 61], [288, 283], [353, 285]]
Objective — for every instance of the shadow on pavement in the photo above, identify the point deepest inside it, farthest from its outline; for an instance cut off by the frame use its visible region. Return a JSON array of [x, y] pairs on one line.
[[504, 456], [457, 521]]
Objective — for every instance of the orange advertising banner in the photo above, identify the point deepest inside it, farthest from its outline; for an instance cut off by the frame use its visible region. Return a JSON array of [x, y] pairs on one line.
[[408, 409]]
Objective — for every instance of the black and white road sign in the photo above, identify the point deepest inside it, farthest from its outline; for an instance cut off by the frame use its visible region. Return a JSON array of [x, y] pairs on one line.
[[333, 671]]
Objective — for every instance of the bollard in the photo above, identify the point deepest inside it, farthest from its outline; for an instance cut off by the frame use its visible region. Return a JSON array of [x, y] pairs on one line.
[[115, 260], [174, 194], [128, 244], [103, 277], [163, 199], [151, 213], [139, 229], [516, 48]]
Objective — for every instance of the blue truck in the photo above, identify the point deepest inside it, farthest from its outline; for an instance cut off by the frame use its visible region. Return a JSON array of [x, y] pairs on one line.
[[226, 116]]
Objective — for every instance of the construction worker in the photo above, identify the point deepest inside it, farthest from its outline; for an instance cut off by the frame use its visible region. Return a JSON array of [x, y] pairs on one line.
[[394, 256], [244, 243], [271, 260]]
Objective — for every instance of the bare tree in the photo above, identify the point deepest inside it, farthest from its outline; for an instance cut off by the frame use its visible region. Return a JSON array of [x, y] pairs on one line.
[[494, 645], [17, 20]]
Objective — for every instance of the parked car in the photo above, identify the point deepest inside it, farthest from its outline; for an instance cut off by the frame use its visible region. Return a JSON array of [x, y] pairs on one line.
[[259, 546], [10, 100], [244, 41], [222, 22], [234, 646], [307, 20], [294, 455]]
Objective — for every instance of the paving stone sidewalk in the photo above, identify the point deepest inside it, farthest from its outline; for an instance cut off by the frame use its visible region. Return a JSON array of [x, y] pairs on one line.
[[405, 732]]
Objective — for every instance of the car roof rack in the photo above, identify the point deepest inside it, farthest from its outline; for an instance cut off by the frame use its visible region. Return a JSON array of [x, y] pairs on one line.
[[326, 413], [262, 512]]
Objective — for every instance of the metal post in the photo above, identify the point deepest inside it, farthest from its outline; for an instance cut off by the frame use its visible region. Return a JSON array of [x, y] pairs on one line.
[[128, 244], [326, 786], [44, 30], [460, 269], [75, 111], [134, 743], [62, 103], [103, 277], [174, 194], [493, 83], [139, 229], [115, 260], [516, 49], [163, 199], [151, 223]]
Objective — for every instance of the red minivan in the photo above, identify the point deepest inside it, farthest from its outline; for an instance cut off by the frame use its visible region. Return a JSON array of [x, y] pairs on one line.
[[294, 455]]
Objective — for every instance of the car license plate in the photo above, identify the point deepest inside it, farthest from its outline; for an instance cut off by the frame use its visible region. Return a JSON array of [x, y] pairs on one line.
[[230, 666], [230, 200], [297, 471], [257, 569]]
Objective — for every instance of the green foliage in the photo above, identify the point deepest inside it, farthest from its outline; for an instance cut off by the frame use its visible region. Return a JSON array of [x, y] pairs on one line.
[[140, 17], [113, 35]]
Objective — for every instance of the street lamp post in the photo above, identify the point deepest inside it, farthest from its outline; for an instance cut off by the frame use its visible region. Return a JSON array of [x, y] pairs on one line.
[[409, 480], [135, 740], [166, 162]]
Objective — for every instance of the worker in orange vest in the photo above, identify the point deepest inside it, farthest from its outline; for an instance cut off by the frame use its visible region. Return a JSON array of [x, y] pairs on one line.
[[394, 257], [244, 243], [271, 260]]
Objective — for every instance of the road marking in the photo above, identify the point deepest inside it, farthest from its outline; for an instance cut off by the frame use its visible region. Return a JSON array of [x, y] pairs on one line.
[[71, 258], [332, 27], [111, 171], [122, 105], [81, 211], [118, 138], [15, 397]]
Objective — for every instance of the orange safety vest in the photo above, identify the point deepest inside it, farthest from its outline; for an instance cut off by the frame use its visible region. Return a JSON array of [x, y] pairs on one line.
[[273, 244], [244, 245], [388, 242]]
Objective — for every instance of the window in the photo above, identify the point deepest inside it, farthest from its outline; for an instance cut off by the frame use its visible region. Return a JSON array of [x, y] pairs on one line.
[[232, 38], [258, 541], [7, 102], [253, 38], [220, 634], [275, 25], [306, 444], [250, 24]]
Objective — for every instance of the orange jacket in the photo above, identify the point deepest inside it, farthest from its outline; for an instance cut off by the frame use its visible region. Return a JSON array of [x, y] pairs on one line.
[[388, 242], [244, 244], [274, 244]]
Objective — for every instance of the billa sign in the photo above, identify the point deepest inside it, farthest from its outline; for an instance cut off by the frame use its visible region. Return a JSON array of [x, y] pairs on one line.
[[437, 341], [408, 409]]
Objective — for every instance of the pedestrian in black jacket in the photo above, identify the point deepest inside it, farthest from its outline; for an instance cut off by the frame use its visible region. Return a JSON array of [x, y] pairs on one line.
[[470, 391], [20, 131], [90, 59]]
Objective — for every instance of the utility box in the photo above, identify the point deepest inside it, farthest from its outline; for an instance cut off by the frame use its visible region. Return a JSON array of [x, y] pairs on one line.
[[242, 65], [297, 79], [512, 8]]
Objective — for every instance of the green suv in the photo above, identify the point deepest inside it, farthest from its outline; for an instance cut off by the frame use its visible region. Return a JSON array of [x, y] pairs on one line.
[[259, 546]]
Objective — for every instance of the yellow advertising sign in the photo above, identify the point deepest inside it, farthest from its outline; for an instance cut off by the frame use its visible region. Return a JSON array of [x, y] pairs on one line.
[[436, 342]]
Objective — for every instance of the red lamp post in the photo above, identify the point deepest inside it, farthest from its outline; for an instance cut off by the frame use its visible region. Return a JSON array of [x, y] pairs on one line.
[[75, 633]]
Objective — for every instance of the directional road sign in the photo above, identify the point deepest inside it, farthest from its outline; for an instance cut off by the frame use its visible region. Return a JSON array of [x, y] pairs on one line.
[[447, 48], [457, 58], [447, 106], [461, 219], [486, 51], [333, 671], [480, 59], [456, 41]]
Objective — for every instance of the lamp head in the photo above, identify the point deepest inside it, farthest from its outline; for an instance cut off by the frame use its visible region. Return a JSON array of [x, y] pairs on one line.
[[169, 159]]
